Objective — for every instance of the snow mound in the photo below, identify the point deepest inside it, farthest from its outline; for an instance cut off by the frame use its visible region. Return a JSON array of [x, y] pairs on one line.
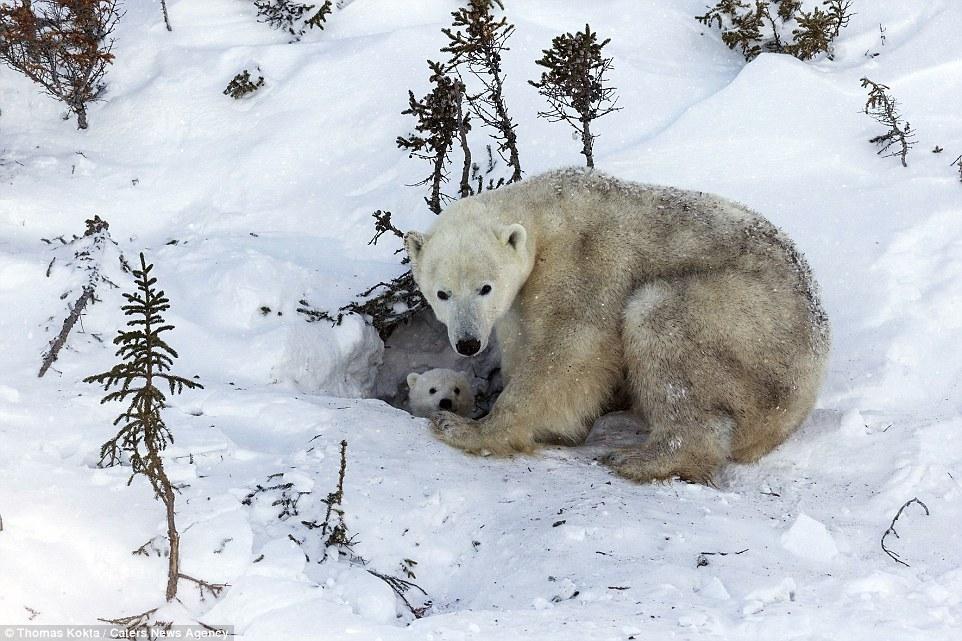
[[337, 361]]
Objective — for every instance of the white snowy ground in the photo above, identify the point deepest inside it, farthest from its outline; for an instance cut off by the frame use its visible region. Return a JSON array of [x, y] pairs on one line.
[[269, 200]]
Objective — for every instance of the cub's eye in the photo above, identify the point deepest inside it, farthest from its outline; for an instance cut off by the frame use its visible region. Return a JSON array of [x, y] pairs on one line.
[[432, 391], [457, 391], [485, 290], [442, 295]]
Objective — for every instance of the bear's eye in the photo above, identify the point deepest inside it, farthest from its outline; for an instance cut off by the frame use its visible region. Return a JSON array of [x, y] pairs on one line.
[[432, 391], [457, 391], [485, 290], [442, 296]]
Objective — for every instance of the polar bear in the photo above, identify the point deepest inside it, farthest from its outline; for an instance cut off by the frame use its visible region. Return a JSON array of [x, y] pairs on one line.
[[440, 390], [693, 312]]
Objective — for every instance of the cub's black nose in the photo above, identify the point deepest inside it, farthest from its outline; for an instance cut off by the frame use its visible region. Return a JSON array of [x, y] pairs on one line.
[[468, 346], [445, 403]]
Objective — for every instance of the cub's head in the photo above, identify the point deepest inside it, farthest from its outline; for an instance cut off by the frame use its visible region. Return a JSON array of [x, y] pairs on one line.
[[470, 271], [440, 390]]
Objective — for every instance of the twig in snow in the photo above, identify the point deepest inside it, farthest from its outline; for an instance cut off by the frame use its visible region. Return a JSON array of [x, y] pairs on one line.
[[163, 6], [334, 530], [891, 530], [148, 547], [143, 622], [214, 589], [701, 561], [400, 587], [958, 163]]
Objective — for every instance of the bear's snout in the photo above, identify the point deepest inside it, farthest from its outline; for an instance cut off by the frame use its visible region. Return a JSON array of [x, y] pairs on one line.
[[445, 404], [468, 346]]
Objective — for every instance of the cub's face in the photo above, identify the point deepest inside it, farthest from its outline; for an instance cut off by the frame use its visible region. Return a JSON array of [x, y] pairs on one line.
[[470, 275], [440, 390]]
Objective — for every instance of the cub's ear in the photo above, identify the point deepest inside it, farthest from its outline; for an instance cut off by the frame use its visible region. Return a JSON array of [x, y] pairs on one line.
[[514, 235], [412, 379], [413, 242]]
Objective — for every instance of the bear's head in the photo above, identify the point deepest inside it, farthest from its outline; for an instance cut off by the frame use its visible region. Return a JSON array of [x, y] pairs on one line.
[[440, 389], [470, 267]]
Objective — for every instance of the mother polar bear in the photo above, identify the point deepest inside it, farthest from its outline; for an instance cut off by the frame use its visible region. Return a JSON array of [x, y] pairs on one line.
[[693, 312]]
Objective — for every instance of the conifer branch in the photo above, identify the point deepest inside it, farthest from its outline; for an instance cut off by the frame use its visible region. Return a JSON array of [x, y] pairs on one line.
[[296, 18]]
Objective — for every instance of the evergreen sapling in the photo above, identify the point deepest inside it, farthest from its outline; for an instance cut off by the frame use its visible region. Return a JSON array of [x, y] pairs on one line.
[[146, 361], [476, 41], [575, 86], [440, 123]]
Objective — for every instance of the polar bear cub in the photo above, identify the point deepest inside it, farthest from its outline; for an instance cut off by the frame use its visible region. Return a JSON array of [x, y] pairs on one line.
[[439, 390]]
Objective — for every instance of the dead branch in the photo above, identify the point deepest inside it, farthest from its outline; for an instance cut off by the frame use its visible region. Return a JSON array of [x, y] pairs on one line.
[[61, 339], [214, 589], [702, 561], [400, 587], [883, 107], [143, 622], [891, 530], [163, 6]]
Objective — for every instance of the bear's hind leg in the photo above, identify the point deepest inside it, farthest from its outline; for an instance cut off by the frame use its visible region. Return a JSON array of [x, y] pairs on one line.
[[689, 451], [691, 435]]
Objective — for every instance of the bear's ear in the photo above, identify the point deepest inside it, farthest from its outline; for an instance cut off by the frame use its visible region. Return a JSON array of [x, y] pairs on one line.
[[412, 379], [413, 242], [514, 235]]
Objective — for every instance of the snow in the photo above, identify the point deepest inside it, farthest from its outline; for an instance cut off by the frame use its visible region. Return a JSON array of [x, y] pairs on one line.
[[809, 539], [264, 202]]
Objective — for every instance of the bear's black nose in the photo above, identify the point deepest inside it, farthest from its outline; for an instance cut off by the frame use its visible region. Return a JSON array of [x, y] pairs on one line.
[[445, 403], [468, 346]]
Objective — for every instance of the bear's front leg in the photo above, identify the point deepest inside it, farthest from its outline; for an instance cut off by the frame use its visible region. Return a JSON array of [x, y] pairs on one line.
[[553, 396], [475, 437]]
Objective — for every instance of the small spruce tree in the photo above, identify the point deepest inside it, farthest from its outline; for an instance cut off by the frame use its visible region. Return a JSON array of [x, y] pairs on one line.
[[575, 85], [440, 122], [476, 41], [146, 360], [62, 45]]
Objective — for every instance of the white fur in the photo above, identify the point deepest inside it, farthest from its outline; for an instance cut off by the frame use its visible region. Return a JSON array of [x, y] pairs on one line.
[[430, 389]]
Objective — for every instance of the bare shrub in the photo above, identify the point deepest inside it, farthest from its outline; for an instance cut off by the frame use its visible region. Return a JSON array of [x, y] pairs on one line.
[[62, 45]]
